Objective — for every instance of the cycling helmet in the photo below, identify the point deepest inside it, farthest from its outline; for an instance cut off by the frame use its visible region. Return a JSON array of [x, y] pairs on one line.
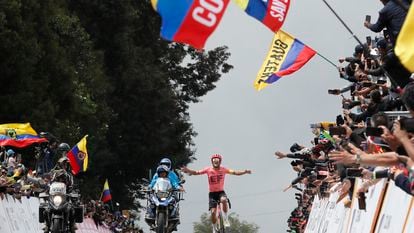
[[64, 147], [166, 162], [216, 156], [162, 168]]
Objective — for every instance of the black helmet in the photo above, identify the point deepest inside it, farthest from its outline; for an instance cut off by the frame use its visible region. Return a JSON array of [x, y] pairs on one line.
[[64, 147]]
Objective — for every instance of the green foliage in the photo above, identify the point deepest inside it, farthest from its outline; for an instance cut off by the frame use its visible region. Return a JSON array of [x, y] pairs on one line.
[[100, 68], [236, 225]]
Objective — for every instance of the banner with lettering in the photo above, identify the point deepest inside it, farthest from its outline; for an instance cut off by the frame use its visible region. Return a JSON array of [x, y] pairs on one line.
[[189, 21], [272, 13], [286, 55]]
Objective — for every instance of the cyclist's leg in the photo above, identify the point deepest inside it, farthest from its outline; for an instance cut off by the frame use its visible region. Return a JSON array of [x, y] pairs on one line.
[[212, 204], [224, 202]]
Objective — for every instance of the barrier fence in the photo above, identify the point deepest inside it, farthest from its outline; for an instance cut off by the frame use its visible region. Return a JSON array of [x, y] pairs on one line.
[[388, 210], [22, 216]]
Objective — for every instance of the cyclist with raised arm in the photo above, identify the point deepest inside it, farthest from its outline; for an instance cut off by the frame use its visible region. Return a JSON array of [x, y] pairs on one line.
[[216, 195]]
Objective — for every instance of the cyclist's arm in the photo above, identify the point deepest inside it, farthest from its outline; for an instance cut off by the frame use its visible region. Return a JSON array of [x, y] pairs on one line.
[[239, 173]]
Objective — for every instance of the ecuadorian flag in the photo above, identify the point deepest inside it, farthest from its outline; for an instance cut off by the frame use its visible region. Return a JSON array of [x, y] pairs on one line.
[[19, 135], [286, 55], [106, 194], [78, 156]]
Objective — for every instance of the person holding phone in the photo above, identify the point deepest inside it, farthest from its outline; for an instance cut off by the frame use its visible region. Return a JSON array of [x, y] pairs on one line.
[[391, 16]]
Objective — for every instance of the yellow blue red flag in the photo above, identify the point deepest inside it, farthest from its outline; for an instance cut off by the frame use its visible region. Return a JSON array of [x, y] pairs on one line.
[[286, 55], [18, 135], [271, 13], [106, 193], [189, 21], [404, 47], [78, 157]]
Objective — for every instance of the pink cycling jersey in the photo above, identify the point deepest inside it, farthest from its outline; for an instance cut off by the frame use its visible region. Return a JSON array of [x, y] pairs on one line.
[[215, 177]]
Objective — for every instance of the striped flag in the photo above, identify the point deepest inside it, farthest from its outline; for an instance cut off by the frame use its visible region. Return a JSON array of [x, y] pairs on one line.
[[78, 157], [286, 56], [106, 194]]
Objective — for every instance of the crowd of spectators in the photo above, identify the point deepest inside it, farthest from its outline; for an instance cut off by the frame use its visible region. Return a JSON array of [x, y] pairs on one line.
[[372, 138], [107, 216], [27, 172]]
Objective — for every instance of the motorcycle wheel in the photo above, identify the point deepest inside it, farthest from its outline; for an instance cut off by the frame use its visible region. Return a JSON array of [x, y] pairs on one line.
[[161, 223], [56, 226]]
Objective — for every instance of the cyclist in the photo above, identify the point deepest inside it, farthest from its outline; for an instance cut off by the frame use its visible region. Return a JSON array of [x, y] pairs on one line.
[[216, 195]]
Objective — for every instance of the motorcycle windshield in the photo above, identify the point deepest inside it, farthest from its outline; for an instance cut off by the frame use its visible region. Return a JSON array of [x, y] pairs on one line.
[[57, 188], [162, 185]]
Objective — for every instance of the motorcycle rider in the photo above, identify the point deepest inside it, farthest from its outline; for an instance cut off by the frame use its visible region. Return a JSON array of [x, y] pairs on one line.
[[61, 175], [216, 175], [162, 172], [172, 176]]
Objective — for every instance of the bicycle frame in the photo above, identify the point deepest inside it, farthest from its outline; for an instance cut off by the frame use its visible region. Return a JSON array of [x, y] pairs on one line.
[[219, 218]]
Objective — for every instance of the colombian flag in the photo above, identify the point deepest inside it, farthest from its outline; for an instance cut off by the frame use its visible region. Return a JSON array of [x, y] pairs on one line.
[[271, 13], [189, 21], [18, 135], [78, 157], [106, 194], [404, 47], [286, 55]]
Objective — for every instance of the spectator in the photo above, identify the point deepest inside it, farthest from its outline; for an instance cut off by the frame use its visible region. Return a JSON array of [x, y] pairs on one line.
[[392, 17]]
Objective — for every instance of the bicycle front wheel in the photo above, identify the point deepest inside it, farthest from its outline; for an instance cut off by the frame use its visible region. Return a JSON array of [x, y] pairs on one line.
[[221, 223]]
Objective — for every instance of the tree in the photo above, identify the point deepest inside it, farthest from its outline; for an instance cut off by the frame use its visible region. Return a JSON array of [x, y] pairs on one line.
[[236, 225], [100, 68]]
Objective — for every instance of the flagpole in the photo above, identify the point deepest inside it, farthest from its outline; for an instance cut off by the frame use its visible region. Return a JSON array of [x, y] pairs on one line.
[[326, 59], [343, 23]]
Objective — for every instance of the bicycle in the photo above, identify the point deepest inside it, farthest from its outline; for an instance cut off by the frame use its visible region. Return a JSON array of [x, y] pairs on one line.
[[220, 217]]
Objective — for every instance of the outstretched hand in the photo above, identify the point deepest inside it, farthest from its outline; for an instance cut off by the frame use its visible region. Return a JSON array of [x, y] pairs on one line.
[[185, 169], [280, 155]]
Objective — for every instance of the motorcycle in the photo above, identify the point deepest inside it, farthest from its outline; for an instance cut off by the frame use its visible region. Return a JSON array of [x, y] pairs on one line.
[[163, 207], [60, 209]]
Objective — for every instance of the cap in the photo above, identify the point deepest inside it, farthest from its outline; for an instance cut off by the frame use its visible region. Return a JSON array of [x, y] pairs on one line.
[[10, 152], [382, 44]]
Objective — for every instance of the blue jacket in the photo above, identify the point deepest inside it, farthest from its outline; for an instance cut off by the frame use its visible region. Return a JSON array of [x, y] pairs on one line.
[[392, 17], [175, 181]]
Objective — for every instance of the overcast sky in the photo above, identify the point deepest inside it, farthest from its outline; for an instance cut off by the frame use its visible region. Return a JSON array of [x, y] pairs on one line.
[[247, 126]]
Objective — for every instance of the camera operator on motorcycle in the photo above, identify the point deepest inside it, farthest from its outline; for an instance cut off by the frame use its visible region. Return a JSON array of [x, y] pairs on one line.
[[164, 173], [61, 173], [172, 176], [216, 175]]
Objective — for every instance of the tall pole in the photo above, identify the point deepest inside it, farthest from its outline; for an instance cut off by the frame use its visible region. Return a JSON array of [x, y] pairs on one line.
[[343, 23]]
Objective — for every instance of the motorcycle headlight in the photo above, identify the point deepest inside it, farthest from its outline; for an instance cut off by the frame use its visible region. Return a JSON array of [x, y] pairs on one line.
[[57, 200], [162, 195]]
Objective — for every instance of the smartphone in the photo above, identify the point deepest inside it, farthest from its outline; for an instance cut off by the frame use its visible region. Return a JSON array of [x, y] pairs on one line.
[[374, 131], [369, 40], [333, 91], [368, 18], [337, 130], [366, 84], [381, 81], [353, 172], [361, 201], [407, 124], [340, 120]]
